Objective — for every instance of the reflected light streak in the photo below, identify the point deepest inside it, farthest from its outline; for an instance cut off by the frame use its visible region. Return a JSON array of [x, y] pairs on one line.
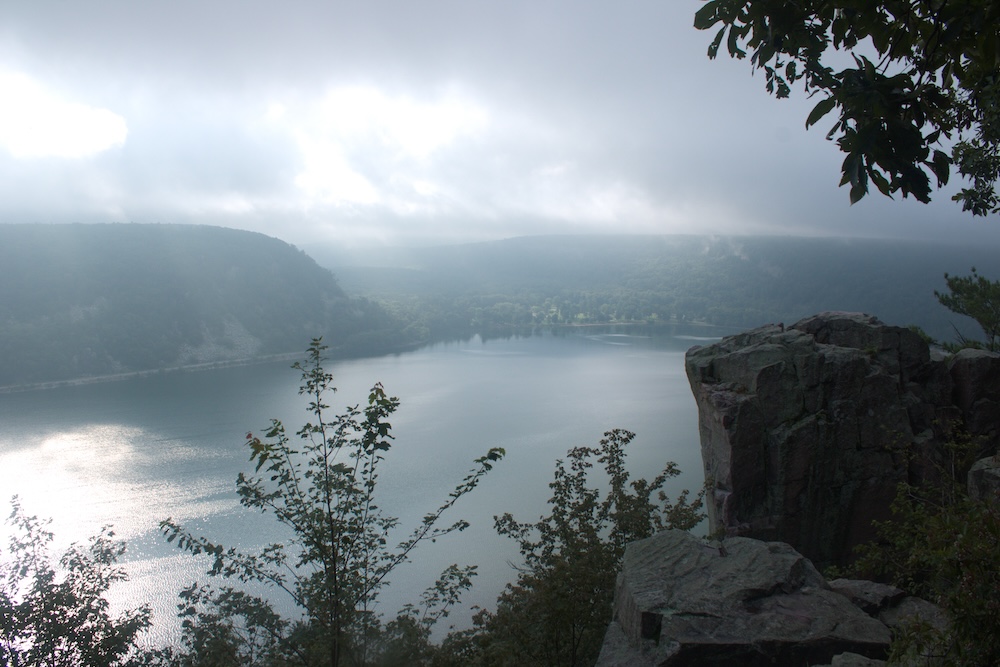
[[92, 476]]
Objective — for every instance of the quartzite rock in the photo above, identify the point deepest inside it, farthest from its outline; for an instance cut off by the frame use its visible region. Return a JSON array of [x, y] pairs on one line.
[[681, 602], [806, 431], [869, 596], [984, 479]]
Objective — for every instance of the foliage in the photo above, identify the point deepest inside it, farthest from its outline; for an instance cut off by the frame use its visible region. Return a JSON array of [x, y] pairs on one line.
[[941, 545], [921, 72], [226, 627], [58, 615], [337, 558], [978, 298], [507, 287], [559, 608], [88, 300]]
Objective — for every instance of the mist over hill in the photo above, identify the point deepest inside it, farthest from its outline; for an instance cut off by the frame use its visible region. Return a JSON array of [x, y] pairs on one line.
[[80, 301], [736, 282]]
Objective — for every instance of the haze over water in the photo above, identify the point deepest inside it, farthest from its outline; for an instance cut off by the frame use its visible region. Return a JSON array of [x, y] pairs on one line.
[[137, 451]]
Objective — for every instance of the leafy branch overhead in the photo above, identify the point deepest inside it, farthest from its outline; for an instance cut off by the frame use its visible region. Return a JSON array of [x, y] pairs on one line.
[[921, 77]]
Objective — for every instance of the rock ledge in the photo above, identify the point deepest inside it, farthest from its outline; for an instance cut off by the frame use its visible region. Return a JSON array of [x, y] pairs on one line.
[[683, 602]]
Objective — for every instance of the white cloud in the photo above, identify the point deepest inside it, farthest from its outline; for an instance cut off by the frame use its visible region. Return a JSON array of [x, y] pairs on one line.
[[363, 146], [328, 177], [411, 128], [413, 120], [36, 122]]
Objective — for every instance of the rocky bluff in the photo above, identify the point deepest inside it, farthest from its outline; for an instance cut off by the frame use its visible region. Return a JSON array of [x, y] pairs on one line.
[[806, 430], [805, 433]]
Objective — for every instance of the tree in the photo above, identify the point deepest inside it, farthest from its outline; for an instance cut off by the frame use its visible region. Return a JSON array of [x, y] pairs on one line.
[[978, 298], [59, 616], [941, 544], [559, 609], [338, 556], [922, 73]]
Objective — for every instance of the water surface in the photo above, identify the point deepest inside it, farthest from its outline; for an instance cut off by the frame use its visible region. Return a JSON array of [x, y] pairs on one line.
[[139, 450]]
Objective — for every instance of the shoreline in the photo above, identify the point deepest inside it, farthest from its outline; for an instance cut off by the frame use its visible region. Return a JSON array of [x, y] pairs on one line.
[[296, 356], [115, 377]]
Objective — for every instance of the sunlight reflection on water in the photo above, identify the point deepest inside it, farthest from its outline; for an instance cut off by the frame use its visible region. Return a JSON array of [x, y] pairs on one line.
[[97, 471], [95, 475], [136, 452]]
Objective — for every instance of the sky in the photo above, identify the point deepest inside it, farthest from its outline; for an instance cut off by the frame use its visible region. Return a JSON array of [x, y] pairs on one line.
[[412, 123]]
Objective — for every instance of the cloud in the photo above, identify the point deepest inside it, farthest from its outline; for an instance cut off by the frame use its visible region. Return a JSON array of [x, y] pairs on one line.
[[36, 122], [362, 146], [397, 121]]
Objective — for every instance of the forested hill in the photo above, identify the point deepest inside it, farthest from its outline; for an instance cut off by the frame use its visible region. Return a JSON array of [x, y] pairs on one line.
[[91, 300], [736, 282]]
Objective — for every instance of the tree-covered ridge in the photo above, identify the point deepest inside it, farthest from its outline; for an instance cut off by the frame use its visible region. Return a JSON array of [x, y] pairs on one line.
[[90, 300], [736, 282]]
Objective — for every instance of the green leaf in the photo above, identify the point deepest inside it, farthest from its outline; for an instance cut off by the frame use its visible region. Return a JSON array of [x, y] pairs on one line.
[[859, 190], [880, 182], [941, 166], [824, 107], [707, 16], [713, 48]]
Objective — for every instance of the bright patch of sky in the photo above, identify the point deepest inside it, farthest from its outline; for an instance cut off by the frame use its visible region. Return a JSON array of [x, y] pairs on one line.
[[36, 122], [397, 135]]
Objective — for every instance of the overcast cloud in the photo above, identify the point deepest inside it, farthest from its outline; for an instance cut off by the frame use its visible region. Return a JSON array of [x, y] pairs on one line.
[[413, 122]]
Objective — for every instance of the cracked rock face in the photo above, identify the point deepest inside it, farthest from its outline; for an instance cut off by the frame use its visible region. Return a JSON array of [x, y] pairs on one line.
[[807, 430], [680, 601]]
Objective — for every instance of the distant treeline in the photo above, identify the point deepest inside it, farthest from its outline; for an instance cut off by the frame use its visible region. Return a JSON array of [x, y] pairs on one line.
[[80, 301], [737, 282], [91, 300]]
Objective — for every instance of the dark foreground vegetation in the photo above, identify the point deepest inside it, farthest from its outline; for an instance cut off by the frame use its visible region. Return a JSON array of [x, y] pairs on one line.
[[941, 544]]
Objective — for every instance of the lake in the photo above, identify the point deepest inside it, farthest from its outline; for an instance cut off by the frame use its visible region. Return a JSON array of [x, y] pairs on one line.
[[136, 451]]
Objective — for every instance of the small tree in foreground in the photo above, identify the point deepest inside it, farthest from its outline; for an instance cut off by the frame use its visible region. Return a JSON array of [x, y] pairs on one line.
[[559, 609], [942, 545], [978, 298], [338, 557], [58, 615]]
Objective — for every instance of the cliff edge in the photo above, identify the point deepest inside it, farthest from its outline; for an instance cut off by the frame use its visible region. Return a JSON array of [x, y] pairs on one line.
[[806, 430]]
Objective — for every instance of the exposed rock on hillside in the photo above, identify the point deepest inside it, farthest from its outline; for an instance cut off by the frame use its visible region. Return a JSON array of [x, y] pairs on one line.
[[680, 601], [807, 430]]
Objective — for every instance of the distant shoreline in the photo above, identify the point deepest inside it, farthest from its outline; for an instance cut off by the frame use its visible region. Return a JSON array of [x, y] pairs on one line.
[[296, 356], [115, 377]]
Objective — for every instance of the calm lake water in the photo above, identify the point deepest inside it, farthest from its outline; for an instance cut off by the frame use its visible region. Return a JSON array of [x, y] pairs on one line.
[[136, 451]]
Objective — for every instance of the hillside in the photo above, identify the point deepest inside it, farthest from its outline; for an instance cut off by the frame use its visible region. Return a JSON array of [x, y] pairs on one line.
[[91, 300], [80, 301], [736, 282]]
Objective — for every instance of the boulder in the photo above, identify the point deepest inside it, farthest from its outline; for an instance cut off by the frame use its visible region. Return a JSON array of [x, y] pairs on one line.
[[681, 601], [984, 479], [913, 609], [868, 596], [806, 431], [853, 660]]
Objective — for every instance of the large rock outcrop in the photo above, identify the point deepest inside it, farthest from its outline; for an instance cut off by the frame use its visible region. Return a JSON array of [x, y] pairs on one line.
[[682, 602], [807, 430]]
